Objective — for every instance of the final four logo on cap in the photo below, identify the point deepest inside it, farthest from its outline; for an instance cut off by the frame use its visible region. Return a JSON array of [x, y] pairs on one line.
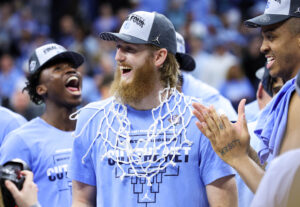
[[51, 52], [145, 28], [276, 11]]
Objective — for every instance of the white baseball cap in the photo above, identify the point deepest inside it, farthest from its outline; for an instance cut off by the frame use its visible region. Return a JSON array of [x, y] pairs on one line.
[[143, 27], [51, 52], [186, 62], [276, 11]]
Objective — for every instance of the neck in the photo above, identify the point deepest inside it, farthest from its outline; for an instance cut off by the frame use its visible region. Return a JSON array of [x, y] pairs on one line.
[[151, 101], [58, 117]]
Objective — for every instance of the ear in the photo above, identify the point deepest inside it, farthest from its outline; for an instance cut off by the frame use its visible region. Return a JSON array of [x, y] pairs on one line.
[[160, 57], [41, 89]]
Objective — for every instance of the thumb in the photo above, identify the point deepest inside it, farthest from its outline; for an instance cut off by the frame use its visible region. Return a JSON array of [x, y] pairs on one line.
[[241, 111], [12, 188]]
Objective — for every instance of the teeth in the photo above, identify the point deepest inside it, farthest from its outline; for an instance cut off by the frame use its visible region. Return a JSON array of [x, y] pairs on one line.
[[269, 59], [72, 78], [125, 68]]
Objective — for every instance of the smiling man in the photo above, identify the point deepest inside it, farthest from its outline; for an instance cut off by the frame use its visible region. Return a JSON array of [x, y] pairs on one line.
[[141, 146], [45, 143], [277, 125]]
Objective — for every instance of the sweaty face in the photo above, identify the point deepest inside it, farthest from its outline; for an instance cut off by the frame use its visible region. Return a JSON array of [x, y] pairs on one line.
[[61, 84], [281, 49], [135, 77]]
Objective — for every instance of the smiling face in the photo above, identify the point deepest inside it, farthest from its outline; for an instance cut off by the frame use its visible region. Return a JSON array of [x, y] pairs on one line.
[[61, 84], [136, 76], [281, 49]]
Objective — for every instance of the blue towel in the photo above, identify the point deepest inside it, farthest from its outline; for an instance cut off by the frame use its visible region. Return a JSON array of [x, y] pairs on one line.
[[272, 122]]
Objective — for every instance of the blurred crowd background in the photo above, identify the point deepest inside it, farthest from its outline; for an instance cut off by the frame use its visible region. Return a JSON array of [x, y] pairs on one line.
[[226, 52]]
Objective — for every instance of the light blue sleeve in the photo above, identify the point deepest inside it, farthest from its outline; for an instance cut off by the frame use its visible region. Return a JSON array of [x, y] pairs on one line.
[[211, 166], [14, 147], [10, 125], [82, 170]]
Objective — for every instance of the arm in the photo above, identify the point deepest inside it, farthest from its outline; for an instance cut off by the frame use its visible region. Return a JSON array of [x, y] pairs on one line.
[[27, 197], [230, 141], [84, 195], [222, 192]]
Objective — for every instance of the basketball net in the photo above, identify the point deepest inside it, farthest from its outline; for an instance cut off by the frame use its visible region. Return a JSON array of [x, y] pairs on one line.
[[116, 141]]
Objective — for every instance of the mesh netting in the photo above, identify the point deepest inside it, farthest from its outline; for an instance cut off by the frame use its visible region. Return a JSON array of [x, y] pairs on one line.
[[169, 127]]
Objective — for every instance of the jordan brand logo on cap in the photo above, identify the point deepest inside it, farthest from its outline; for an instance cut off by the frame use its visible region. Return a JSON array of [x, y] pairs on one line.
[[156, 39], [298, 10]]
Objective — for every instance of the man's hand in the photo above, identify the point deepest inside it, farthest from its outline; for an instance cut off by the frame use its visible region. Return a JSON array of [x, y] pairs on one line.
[[28, 195], [230, 141]]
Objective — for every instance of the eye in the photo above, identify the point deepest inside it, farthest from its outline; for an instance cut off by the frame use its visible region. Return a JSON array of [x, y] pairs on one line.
[[130, 49], [270, 37]]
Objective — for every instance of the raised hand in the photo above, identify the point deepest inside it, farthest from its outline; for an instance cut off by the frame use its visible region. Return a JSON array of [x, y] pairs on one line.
[[230, 141]]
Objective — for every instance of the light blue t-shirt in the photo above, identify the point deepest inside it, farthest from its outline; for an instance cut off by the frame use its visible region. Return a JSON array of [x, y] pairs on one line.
[[110, 152], [47, 151], [196, 88], [9, 121]]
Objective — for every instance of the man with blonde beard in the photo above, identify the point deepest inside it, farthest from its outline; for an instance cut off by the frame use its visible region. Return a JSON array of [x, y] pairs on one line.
[[141, 147]]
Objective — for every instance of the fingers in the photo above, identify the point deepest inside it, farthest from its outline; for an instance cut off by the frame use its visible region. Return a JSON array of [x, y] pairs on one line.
[[218, 123], [199, 109], [28, 175], [241, 111], [225, 121], [12, 188]]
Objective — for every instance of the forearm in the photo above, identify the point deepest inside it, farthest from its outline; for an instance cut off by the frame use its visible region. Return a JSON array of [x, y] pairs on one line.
[[84, 195], [250, 172], [81, 204], [254, 156], [222, 192]]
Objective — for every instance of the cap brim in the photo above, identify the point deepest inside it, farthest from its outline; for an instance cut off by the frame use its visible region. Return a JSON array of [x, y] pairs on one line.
[[74, 58], [265, 20], [186, 62], [110, 36]]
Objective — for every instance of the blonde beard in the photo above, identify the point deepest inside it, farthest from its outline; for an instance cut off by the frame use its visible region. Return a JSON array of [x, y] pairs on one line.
[[140, 87]]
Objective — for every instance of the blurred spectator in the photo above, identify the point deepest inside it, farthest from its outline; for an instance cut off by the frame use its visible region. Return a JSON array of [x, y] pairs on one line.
[[105, 21], [67, 30], [9, 76], [237, 86], [104, 85], [177, 13], [252, 59], [89, 91], [221, 61], [196, 38]]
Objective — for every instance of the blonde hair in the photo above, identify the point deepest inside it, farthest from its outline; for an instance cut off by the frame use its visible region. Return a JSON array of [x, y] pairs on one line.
[[169, 72]]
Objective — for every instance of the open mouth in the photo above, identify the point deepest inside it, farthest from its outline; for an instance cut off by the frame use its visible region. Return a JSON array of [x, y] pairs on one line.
[[125, 69], [73, 84], [270, 61]]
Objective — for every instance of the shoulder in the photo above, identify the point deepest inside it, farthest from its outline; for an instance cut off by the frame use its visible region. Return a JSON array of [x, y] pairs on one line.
[[8, 115], [94, 107]]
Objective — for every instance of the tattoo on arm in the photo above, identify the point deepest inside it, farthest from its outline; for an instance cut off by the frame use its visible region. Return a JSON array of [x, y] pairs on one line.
[[229, 146], [254, 156]]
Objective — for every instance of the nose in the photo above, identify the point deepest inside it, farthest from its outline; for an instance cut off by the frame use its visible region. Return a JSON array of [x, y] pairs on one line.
[[264, 48], [70, 69], [120, 56]]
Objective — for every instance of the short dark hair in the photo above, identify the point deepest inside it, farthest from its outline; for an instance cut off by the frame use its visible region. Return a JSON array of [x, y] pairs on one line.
[[31, 84]]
